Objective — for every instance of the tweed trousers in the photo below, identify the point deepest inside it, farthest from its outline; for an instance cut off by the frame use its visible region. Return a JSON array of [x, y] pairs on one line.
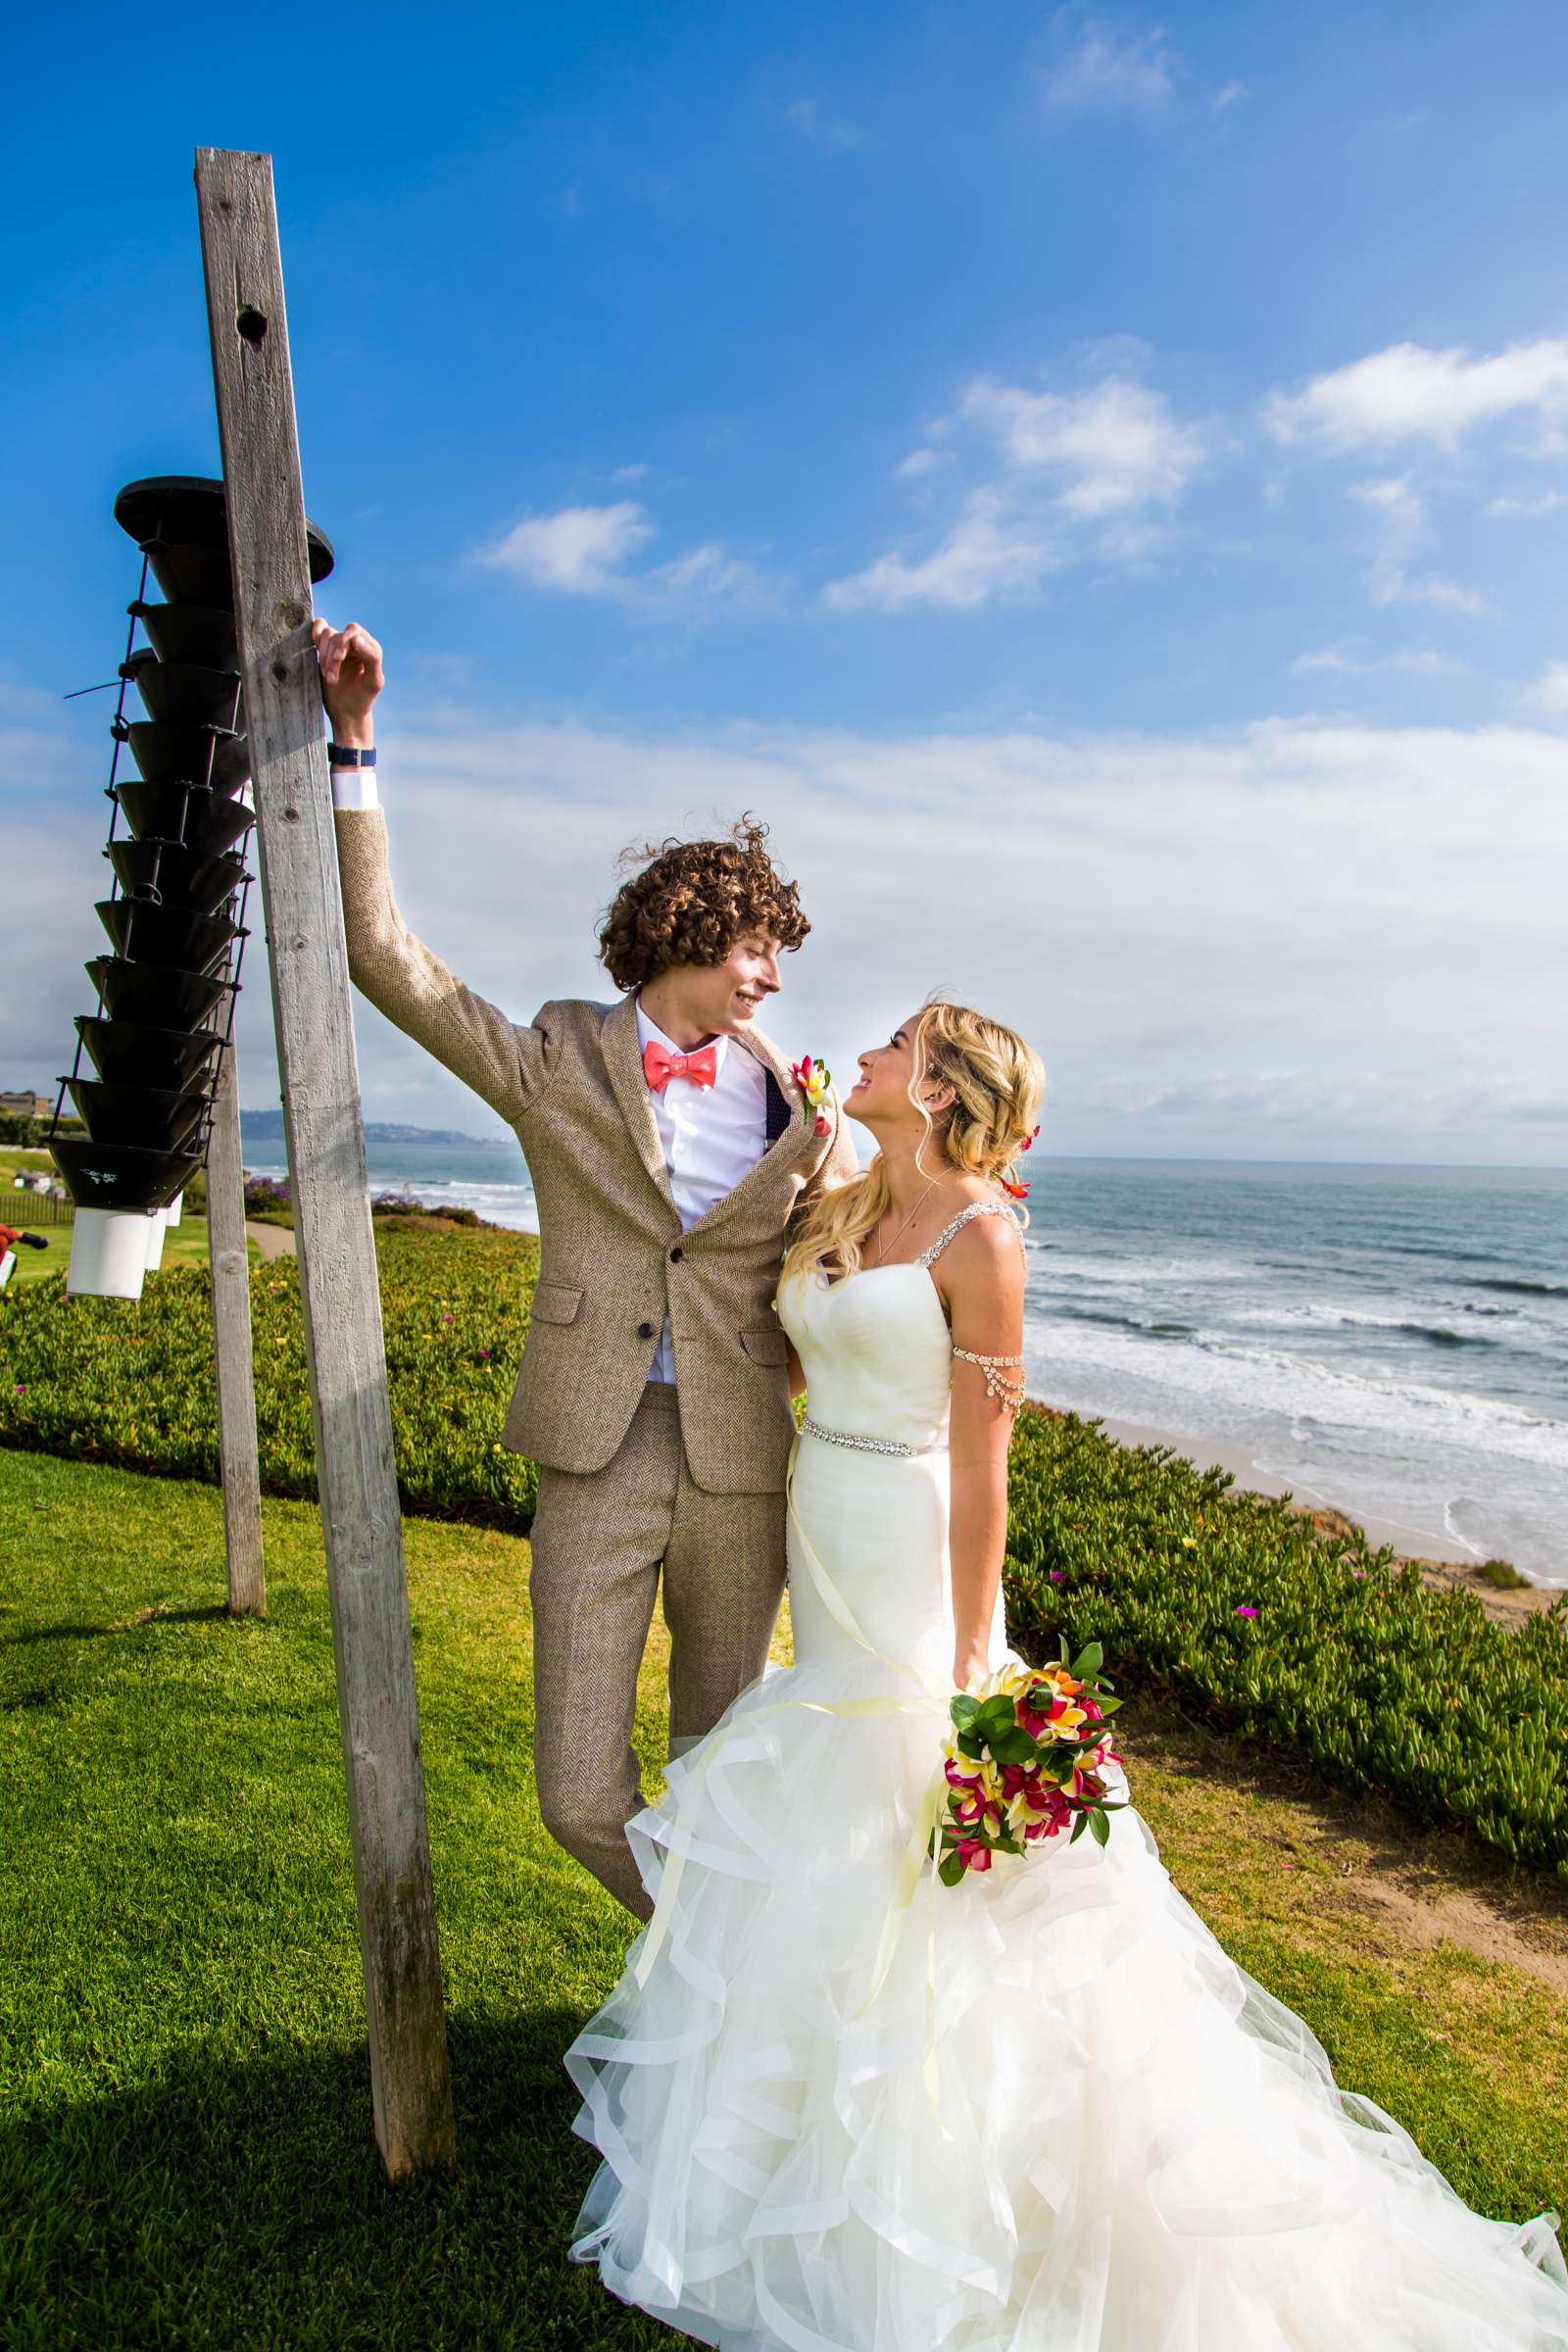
[[600, 1540]]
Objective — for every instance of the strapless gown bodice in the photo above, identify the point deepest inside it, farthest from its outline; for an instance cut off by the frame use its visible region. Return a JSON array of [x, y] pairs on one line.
[[875, 1351]]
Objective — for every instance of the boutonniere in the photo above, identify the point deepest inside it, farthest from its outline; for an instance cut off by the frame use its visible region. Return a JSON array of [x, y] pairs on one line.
[[814, 1078]]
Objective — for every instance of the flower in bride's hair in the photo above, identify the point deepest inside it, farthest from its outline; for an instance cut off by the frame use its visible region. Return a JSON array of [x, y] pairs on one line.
[[1028, 1142], [1014, 1192]]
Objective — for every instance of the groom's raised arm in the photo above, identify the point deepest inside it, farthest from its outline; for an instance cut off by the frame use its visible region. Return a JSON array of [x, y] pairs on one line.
[[508, 1066], [504, 1063]]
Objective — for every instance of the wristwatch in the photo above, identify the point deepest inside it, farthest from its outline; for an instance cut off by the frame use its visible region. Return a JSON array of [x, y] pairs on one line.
[[343, 755]]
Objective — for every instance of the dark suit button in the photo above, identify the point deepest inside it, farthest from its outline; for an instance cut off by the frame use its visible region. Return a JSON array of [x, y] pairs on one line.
[[645, 1331], [676, 1254]]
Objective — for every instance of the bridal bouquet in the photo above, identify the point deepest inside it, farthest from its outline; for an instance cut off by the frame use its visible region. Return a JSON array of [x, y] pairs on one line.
[[1023, 1763]]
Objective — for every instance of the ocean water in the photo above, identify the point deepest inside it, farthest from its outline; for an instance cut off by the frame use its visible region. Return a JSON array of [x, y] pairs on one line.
[[1390, 1341]]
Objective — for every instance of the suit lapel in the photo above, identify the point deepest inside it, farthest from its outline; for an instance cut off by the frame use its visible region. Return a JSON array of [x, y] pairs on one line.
[[787, 1146], [624, 1062]]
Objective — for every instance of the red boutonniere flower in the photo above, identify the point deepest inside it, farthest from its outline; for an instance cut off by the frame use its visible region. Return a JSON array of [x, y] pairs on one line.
[[814, 1078]]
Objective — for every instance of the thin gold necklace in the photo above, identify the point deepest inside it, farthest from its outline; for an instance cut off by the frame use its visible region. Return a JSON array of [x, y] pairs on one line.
[[908, 1222]]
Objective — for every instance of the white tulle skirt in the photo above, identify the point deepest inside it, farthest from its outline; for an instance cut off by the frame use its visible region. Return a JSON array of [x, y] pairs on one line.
[[1066, 2122]]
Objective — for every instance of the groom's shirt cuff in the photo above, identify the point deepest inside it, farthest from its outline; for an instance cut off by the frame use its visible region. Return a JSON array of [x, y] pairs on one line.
[[354, 788]]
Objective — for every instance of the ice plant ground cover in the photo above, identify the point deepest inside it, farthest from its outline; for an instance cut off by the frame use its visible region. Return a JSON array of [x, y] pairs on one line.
[[1230, 1602], [185, 2153]]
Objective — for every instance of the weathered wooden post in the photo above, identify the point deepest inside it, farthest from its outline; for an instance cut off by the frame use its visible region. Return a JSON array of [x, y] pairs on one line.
[[239, 1467], [309, 964]]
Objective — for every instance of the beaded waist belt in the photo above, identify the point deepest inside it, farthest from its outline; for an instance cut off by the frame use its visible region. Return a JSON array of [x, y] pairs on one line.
[[892, 1446]]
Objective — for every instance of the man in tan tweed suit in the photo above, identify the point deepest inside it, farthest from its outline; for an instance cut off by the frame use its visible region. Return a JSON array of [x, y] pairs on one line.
[[668, 1142]]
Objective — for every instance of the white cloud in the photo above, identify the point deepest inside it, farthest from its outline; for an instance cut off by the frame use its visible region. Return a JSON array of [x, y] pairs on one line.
[[1227, 96], [1546, 501], [706, 570], [1337, 940], [819, 123], [1084, 472], [1395, 586], [1411, 393], [1133, 72], [1549, 696], [586, 551], [989, 551], [625, 474], [1348, 661], [581, 550], [1403, 523], [1109, 448]]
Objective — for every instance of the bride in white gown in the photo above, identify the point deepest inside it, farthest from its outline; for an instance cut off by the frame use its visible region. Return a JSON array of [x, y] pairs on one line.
[[844, 2108]]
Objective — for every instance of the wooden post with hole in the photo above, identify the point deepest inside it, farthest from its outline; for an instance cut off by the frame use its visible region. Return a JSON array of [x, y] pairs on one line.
[[238, 1464], [319, 1084]]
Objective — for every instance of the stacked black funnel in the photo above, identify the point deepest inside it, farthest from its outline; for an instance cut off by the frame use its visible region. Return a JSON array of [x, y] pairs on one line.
[[174, 913]]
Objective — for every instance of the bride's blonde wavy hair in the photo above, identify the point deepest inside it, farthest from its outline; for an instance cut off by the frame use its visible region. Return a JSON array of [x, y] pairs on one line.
[[998, 1084]]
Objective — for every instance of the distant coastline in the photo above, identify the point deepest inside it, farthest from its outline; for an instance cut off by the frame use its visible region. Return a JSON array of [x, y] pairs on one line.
[[267, 1127]]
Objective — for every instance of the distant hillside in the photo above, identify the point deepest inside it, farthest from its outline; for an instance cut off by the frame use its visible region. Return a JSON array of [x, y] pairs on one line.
[[267, 1127]]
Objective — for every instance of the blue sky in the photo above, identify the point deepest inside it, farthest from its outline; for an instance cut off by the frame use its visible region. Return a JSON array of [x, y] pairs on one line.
[[1094, 479]]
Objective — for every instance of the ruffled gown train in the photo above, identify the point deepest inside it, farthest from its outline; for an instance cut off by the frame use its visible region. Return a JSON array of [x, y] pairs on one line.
[[1040, 2112]]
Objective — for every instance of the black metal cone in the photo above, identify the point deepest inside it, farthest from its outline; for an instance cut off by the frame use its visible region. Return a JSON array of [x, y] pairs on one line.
[[175, 936], [204, 821], [180, 521], [171, 753], [133, 1054], [146, 1116], [183, 877], [155, 993], [120, 1175], [182, 693], [196, 633]]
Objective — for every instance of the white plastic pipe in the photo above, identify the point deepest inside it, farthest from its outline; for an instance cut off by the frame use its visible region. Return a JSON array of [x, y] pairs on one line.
[[171, 1213], [108, 1252], [157, 1225]]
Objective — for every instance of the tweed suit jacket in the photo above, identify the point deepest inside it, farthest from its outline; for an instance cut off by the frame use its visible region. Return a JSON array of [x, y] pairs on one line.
[[614, 1258]]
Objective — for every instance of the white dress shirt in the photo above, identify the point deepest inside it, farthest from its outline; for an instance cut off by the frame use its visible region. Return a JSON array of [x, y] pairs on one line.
[[712, 1136]]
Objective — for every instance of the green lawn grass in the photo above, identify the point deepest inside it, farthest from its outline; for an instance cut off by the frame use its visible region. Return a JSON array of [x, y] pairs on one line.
[[186, 2150]]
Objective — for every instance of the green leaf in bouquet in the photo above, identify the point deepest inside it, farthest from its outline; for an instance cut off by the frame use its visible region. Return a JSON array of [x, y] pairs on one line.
[[1078, 1829], [1088, 1661], [1100, 1827], [970, 1744], [1013, 1747], [963, 1709], [950, 1871]]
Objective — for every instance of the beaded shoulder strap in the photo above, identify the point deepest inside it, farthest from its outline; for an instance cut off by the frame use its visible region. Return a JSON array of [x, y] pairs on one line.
[[976, 1209]]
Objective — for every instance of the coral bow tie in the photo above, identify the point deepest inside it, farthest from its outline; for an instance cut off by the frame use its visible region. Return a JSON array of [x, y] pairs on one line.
[[660, 1066]]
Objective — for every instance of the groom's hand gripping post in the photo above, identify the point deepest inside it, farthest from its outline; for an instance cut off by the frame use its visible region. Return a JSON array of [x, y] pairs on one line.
[[352, 677]]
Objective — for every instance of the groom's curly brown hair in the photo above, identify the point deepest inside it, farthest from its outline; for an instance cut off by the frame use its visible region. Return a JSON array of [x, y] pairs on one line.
[[691, 901]]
